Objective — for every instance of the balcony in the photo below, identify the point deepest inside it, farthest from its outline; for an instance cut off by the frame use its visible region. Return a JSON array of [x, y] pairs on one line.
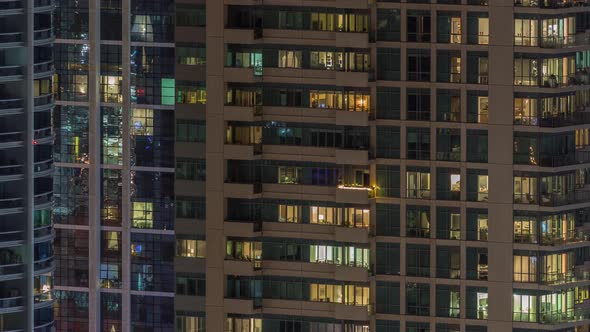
[[11, 5], [571, 119], [577, 196], [11, 140], [580, 156], [43, 199], [577, 274], [44, 265], [11, 304], [43, 102], [11, 172], [43, 69], [242, 190], [9, 237], [44, 5], [579, 39], [11, 205], [556, 4], [11, 270], [43, 168], [242, 151], [10, 38], [43, 135], [10, 106], [11, 73], [353, 194], [44, 36]]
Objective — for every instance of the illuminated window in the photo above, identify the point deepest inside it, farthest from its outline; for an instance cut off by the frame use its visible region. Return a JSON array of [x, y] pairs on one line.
[[43, 287], [483, 25], [325, 293], [356, 217], [42, 87], [167, 91], [110, 89], [243, 250], [142, 215], [418, 184], [525, 190], [110, 275], [526, 32], [113, 240], [142, 122], [289, 175], [524, 308], [525, 268], [290, 59], [190, 248], [323, 215], [525, 229], [240, 325], [191, 95], [289, 213]]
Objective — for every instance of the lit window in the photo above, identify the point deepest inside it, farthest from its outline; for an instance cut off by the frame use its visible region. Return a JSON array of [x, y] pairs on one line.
[[142, 215], [190, 248]]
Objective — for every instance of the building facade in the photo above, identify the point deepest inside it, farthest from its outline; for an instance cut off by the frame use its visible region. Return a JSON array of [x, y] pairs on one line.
[[26, 166], [397, 165], [114, 151]]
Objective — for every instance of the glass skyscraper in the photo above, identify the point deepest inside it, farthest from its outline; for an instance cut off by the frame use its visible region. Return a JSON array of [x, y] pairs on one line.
[[114, 150]]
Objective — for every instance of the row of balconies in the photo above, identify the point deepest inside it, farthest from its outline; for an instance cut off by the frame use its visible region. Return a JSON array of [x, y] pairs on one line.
[[11, 39], [299, 37], [350, 195], [298, 75], [303, 308], [19, 5], [295, 114]]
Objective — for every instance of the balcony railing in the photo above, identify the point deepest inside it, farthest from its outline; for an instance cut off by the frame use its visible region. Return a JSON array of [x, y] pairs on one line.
[[43, 34], [9, 236], [45, 99], [559, 199], [566, 119], [10, 37], [12, 137], [11, 4], [43, 67], [11, 302], [11, 203], [577, 274], [10, 170], [11, 71], [43, 198], [44, 165]]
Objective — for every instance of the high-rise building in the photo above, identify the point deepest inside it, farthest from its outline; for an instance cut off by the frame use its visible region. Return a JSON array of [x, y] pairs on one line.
[[114, 152], [26, 166], [397, 165]]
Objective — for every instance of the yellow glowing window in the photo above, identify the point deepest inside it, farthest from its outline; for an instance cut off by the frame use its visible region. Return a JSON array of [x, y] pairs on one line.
[[142, 122], [143, 215]]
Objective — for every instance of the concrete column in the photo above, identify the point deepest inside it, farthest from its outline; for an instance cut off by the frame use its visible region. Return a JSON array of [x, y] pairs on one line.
[[94, 194], [500, 168], [215, 238]]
